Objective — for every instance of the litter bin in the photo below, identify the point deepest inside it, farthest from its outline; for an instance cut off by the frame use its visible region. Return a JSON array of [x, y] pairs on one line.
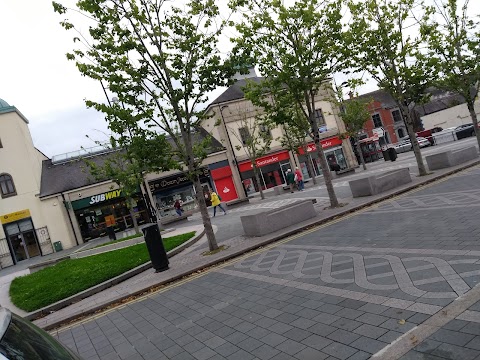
[[157, 252], [57, 245], [386, 155], [392, 154], [111, 233]]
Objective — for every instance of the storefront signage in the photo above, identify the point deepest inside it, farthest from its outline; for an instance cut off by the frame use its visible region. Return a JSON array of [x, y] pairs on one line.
[[96, 199], [174, 181], [17, 215], [105, 196], [326, 143], [264, 161]]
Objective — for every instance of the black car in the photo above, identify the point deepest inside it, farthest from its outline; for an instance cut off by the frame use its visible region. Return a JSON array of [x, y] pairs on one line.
[[21, 340], [464, 131]]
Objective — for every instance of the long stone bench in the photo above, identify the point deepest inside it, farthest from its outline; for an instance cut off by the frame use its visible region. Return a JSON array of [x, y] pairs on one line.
[[376, 184], [270, 221], [450, 158]]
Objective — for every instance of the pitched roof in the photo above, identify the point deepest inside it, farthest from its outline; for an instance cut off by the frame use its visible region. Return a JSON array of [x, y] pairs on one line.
[[235, 91], [74, 174], [382, 97]]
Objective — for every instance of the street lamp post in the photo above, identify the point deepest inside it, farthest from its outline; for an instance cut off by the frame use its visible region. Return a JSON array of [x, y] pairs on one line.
[[221, 107]]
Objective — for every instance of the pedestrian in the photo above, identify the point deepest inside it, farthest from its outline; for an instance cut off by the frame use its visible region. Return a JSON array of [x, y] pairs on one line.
[[299, 179], [178, 207], [216, 201], [290, 179]]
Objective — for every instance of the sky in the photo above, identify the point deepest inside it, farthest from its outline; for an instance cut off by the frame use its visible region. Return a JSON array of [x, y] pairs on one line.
[[44, 86]]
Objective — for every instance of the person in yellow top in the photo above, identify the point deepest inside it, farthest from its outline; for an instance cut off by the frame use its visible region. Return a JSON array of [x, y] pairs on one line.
[[216, 201]]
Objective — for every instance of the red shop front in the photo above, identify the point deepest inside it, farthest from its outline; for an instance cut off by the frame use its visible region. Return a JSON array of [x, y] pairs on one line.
[[333, 153], [272, 171], [224, 184]]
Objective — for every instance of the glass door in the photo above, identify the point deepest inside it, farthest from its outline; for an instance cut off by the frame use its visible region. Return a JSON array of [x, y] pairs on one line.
[[22, 239]]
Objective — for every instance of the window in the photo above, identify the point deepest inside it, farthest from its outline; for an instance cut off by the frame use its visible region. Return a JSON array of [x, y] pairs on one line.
[[397, 117], [244, 135], [401, 134], [377, 121], [319, 117], [6, 186], [265, 132]]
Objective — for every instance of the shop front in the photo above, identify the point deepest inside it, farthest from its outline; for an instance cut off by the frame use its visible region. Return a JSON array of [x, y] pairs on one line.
[[96, 213], [223, 180], [20, 234], [166, 191], [272, 171], [334, 155]]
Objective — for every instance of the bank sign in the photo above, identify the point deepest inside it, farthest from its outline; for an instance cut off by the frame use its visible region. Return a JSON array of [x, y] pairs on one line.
[[96, 199]]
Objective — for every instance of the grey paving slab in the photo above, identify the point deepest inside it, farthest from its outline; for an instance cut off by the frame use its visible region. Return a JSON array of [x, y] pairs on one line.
[[328, 293]]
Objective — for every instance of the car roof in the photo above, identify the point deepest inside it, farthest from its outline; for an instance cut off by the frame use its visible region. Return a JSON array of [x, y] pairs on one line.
[[5, 318]]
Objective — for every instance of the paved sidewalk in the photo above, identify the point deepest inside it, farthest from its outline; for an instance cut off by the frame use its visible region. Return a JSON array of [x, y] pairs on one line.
[[184, 264], [397, 280]]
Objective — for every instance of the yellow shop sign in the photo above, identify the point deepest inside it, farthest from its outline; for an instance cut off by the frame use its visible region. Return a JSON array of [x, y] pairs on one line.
[[17, 215]]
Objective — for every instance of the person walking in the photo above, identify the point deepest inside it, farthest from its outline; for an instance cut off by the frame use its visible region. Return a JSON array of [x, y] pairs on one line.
[[178, 207], [299, 179], [290, 179], [216, 201]]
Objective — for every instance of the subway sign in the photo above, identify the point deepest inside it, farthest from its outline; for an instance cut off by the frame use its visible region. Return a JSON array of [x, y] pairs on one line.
[[96, 199]]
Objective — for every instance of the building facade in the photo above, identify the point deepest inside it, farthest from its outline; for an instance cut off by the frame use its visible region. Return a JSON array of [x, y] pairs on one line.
[[228, 115]]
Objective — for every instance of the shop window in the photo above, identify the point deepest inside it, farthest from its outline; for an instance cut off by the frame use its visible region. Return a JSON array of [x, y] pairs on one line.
[[7, 188], [377, 121], [397, 116], [319, 117], [244, 135]]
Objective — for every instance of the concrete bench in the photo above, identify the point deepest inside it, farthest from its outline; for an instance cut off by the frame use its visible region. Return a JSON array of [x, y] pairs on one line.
[[270, 221], [451, 158], [172, 219], [376, 184]]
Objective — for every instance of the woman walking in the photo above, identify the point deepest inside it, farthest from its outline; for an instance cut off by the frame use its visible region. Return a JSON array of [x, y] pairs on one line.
[[216, 201]]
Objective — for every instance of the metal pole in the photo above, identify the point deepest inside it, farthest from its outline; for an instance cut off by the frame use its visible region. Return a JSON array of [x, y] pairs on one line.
[[231, 146]]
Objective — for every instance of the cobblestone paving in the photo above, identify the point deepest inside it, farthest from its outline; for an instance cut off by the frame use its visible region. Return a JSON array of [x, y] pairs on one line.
[[344, 291]]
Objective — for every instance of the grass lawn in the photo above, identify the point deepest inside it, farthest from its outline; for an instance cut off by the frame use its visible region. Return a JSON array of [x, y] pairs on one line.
[[69, 277]]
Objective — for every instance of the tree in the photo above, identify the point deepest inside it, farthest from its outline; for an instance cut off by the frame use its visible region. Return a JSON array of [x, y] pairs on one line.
[[125, 167], [453, 37], [355, 114], [161, 60], [254, 133], [297, 46], [382, 41]]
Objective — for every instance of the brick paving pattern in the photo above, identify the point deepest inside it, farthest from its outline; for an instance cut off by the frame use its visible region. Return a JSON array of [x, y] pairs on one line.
[[344, 291]]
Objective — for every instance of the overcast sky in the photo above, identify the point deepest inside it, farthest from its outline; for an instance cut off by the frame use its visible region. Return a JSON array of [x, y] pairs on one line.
[[36, 77]]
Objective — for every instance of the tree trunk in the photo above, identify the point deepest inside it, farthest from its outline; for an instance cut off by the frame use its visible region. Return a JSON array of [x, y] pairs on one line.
[[473, 115], [326, 174], [360, 155], [207, 224], [309, 164], [257, 178], [422, 171], [134, 219]]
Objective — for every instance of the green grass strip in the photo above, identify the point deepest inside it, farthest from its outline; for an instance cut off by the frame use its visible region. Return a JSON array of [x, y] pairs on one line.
[[69, 277]]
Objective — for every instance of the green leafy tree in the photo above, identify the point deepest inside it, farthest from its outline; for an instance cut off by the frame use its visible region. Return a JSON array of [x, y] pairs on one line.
[[126, 166], [161, 60], [298, 47], [382, 41], [453, 36], [254, 135], [355, 114]]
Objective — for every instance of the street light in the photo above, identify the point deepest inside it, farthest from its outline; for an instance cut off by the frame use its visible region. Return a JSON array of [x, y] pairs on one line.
[[235, 162]]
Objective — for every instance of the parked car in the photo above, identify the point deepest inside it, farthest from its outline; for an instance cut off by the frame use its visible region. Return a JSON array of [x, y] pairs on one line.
[[464, 131], [21, 340], [405, 145], [427, 134]]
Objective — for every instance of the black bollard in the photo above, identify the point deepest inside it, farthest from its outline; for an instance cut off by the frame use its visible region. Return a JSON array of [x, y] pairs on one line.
[[157, 252]]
